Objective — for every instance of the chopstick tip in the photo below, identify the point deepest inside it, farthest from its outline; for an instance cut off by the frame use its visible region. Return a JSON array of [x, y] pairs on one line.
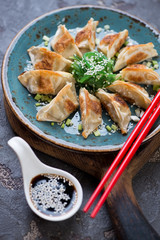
[[85, 209], [93, 214]]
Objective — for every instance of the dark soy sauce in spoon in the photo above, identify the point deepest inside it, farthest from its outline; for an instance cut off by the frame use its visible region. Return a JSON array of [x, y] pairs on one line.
[[52, 194]]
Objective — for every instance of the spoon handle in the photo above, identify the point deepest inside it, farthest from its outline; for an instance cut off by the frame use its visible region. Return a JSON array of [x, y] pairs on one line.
[[26, 156]]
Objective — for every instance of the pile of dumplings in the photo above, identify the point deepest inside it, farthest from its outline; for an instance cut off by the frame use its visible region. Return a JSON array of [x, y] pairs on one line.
[[51, 76]]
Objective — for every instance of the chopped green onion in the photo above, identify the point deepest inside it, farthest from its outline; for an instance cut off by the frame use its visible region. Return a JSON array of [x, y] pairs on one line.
[[114, 127], [37, 97], [46, 98], [38, 104], [117, 54], [80, 127], [63, 125], [149, 64], [97, 133], [68, 122], [154, 62], [43, 98], [45, 38], [126, 43], [108, 128], [156, 66], [156, 87], [52, 123], [46, 43]]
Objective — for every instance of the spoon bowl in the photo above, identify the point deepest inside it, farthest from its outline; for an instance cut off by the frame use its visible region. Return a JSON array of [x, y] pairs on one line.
[[33, 168]]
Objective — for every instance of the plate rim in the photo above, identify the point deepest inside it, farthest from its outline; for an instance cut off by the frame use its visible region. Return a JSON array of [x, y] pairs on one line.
[[31, 127]]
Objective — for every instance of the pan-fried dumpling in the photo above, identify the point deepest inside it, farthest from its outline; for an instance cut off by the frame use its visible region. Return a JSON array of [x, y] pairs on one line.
[[139, 73], [112, 43], [116, 107], [131, 92], [43, 58], [45, 81], [134, 54], [86, 37], [63, 43], [91, 112], [61, 106]]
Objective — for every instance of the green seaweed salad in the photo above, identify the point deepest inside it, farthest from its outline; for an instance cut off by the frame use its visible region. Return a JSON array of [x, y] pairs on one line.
[[94, 70]]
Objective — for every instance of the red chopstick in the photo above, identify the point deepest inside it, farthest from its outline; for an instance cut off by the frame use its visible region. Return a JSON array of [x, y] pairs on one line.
[[124, 150], [127, 159]]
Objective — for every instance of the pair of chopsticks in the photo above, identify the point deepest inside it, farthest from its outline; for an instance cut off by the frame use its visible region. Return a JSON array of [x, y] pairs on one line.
[[142, 128]]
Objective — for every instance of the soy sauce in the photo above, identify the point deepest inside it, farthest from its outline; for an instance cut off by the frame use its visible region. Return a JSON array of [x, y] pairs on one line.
[[52, 194]]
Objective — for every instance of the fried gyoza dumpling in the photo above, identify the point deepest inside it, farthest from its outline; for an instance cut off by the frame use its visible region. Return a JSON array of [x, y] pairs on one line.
[[91, 112], [85, 39], [43, 58], [61, 106], [139, 73], [112, 43], [134, 54], [116, 107], [63, 43], [45, 81], [131, 92]]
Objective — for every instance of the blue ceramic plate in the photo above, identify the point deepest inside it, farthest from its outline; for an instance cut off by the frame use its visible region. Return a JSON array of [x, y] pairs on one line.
[[23, 104]]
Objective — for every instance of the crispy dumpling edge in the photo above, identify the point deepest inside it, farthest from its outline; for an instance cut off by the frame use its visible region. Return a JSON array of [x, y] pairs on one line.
[[116, 97], [119, 65], [131, 85], [60, 94], [138, 68], [85, 133]]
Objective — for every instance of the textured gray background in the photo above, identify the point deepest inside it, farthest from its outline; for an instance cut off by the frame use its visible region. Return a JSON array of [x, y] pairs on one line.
[[17, 221]]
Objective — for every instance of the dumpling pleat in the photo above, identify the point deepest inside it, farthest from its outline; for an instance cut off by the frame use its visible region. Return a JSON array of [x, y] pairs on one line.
[[61, 106], [112, 43], [45, 81], [86, 37], [133, 93], [91, 112], [63, 43], [134, 54], [139, 73], [43, 58], [116, 107]]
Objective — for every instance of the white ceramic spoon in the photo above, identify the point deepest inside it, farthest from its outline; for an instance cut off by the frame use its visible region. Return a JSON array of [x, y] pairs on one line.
[[32, 167]]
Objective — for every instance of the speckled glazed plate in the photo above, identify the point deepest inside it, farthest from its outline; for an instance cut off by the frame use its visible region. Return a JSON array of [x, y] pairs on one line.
[[23, 104]]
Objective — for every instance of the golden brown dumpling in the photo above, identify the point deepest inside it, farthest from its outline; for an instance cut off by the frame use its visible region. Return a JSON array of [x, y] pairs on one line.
[[112, 43], [134, 54], [43, 58], [91, 112], [45, 81], [139, 73], [85, 39], [63, 43], [61, 106], [131, 92], [116, 107]]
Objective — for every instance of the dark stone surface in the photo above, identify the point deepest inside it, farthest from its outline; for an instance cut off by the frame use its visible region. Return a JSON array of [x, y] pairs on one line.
[[17, 221]]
